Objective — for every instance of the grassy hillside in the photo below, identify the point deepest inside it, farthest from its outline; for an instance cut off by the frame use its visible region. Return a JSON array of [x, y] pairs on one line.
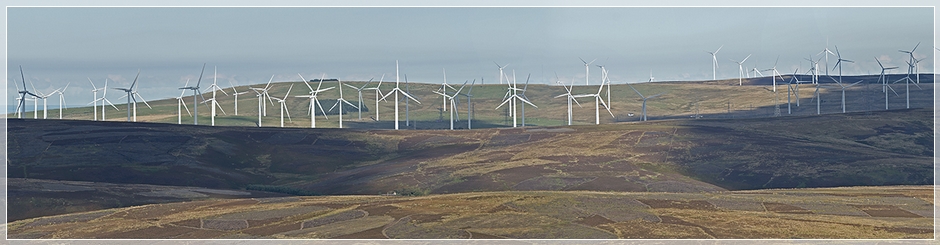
[[881, 148], [711, 99], [893, 212]]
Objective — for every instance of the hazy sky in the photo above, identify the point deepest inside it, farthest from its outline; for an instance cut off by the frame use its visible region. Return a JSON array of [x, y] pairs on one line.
[[57, 45]]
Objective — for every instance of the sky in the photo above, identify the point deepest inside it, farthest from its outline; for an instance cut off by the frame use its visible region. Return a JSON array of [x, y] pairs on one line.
[[70, 45]]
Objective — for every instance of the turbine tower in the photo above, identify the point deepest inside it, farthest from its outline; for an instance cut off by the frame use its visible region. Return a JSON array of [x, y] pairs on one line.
[[340, 105], [215, 102], [236, 93], [884, 81], [715, 62], [180, 105], [378, 95], [132, 95], [587, 67], [501, 74], [826, 52], [195, 90], [741, 72], [597, 102], [62, 98], [568, 96], [453, 103], [397, 91], [839, 64], [283, 103], [774, 74], [313, 100], [359, 91], [644, 99]]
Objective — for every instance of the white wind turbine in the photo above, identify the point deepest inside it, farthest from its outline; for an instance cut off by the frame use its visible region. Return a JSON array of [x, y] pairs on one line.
[[284, 105], [741, 69], [314, 102], [94, 101], [236, 93], [262, 94], [359, 91], [453, 103], [839, 64], [843, 87], [793, 86], [62, 98], [132, 95], [378, 94], [907, 86], [340, 104], [597, 102], [587, 68], [826, 52], [104, 99], [196, 93], [215, 103], [468, 95], [715, 62], [501, 74], [605, 79], [511, 97], [43, 97], [397, 91], [180, 105], [644, 100], [884, 81], [651, 77], [775, 74], [522, 96], [21, 105], [814, 69], [568, 96], [443, 89]]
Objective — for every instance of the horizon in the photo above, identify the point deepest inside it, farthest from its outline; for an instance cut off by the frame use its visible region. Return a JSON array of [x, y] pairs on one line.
[[251, 44]]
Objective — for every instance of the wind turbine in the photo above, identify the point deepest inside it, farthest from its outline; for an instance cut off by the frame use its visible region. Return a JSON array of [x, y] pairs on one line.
[[814, 69], [62, 98], [215, 102], [180, 105], [501, 74], [741, 69], [839, 64], [468, 95], [604, 77], [587, 66], [597, 102], [644, 99], [236, 93], [340, 105], [23, 93], [313, 100], [651, 77], [195, 90], [794, 89], [132, 96], [43, 97], [453, 103], [104, 99], [378, 93], [284, 106], [512, 96], [263, 93], [907, 84], [397, 91], [568, 96], [826, 52], [94, 100], [715, 62], [884, 81], [843, 87], [522, 96], [443, 89], [774, 74], [359, 91]]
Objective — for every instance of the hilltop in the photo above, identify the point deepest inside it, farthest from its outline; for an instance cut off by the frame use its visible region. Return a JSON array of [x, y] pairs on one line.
[[709, 99]]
